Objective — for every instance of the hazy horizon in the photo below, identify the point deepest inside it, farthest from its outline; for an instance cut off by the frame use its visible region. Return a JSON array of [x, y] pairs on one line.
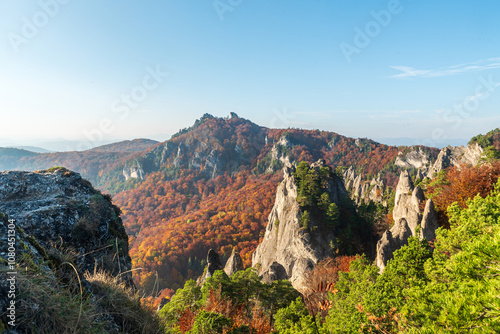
[[97, 72], [62, 144]]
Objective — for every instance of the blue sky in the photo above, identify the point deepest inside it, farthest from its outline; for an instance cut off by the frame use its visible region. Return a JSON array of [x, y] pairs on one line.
[[105, 70]]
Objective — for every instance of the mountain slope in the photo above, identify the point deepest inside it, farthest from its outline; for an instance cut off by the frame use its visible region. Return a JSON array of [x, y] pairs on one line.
[[102, 165], [10, 157], [213, 185], [135, 145]]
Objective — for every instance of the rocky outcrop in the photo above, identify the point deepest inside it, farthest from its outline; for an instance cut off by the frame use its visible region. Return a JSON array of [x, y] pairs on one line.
[[279, 154], [408, 201], [55, 231], [275, 272], [212, 149], [429, 223], [213, 263], [391, 241], [455, 156], [59, 207], [415, 158], [149, 162], [364, 190], [421, 174], [376, 190], [234, 263], [409, 220], [133, 172], [349, 176], [288, 249]]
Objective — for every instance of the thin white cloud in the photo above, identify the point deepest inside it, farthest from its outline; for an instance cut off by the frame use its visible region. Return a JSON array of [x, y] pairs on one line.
[[477, 66], [481, 94]]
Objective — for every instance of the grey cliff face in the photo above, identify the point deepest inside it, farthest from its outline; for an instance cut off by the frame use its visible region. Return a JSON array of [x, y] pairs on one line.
[[133, 172], [407, 202], [408, 217], [287, 250], [416, 158], [278, 155]]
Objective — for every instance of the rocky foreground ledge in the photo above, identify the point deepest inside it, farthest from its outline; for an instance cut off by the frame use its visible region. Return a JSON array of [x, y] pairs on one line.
[[64, 261], [59, 207]]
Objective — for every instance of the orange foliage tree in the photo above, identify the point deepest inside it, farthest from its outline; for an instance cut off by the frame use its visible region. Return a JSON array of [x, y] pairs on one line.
[[321, 280], [459, 184]]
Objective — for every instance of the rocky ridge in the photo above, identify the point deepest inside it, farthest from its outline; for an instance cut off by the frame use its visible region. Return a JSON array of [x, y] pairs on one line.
[[455, 156], [200, 154], [426, 163]]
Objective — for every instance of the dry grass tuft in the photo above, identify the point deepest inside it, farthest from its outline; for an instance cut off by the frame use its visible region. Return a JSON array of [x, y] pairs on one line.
[[45, 307], [123, 304]]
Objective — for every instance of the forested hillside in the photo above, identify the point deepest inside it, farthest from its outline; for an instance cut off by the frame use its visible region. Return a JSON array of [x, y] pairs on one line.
[[213, 186], [135, 145], [177, 222], [102, 165], [490, 142], [10, 157]]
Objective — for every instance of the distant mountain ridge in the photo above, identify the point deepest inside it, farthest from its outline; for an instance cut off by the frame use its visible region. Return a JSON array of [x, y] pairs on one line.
[[97, 165], [10, 157], [135, 145], [31, 149], [109, 166]]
